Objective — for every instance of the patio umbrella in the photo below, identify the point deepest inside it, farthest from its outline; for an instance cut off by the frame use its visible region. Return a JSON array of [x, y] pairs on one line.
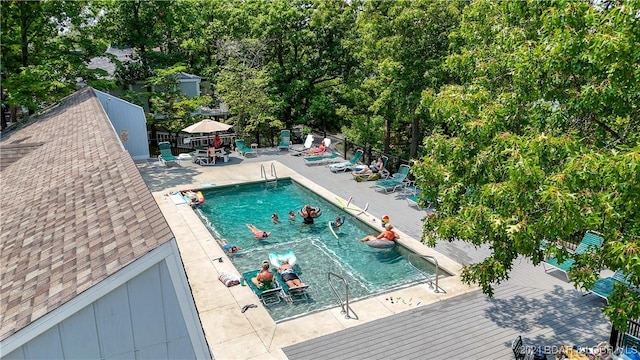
[[207, 126]]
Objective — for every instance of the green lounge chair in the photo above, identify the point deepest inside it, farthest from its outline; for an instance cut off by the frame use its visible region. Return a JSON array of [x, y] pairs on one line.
[[347, 165], [267, 297], [397, 181], [321, 159], [294, 294], [285, 140], [243, 149], [166, 157], [413, 201], [590, 240], [604, 287]]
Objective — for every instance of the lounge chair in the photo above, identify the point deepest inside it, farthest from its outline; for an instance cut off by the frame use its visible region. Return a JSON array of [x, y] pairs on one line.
[[589, 240], [296, 293], [397, 181], [413, 201], [285, 140], [166, 157], [243, 149], [271, 296], [347, 165], [604, 286], [308, 142], [371, 176], [321, 159]]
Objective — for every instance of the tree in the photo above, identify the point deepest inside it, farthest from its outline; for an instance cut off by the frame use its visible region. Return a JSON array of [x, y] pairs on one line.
[[539, 140], [38, 68], [170, 108], [244, 89], [402, 45]]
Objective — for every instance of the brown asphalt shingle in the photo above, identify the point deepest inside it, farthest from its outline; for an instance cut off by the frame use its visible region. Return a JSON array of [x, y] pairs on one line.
[[74, 210]]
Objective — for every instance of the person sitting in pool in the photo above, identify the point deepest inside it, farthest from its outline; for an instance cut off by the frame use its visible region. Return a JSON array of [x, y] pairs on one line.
[[292, 216], [337, 222], [374, 168], [264, 279], [257, 233], [193, 198], [387, 234], [308, 213], [289, 275], [275, 218]]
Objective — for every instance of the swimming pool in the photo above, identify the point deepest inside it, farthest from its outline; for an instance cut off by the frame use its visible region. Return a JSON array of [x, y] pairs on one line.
[[368, 271]]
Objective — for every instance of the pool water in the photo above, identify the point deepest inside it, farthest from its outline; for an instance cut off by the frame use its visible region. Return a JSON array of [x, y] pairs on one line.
[[368, 271]]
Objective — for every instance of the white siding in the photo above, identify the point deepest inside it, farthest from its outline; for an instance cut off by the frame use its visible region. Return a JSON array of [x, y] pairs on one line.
[[140, 319], [46, 346], [129, 122], [113, 318], [79, 335], [147, 315]]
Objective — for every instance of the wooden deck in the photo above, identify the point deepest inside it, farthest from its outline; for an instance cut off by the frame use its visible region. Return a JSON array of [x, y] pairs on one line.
[[541, 307]]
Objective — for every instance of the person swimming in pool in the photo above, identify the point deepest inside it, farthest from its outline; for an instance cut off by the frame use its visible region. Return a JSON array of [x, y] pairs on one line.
[[275, 218], [337, 222], [289, 275], [308, 213], [257, 233], [228, 248], [264, 279], [292, 216]]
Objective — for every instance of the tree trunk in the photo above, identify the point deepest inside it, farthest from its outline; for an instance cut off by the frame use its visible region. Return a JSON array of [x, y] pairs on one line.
[[415, 137], [24, 29], [387, 134]]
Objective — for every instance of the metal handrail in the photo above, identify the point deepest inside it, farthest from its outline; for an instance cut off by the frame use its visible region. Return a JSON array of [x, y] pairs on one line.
[[343, 304], [274, 176], [263, 172], [437, 289]]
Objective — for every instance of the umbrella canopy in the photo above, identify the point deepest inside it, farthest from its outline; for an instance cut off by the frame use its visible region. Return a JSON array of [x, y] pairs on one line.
[[207, 126]]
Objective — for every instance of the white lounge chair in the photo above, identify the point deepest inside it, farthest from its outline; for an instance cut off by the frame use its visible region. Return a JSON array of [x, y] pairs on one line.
[[308, 142]]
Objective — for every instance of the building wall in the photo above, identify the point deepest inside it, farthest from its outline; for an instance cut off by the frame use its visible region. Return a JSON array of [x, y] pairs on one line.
[[129, 122], [191, 88], [137, 320]]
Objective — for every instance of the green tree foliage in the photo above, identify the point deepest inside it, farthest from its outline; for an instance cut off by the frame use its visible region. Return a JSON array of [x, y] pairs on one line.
[[304, 54], [170, 108], [539, 140], [245, 89], [38, 68], [401, 47]]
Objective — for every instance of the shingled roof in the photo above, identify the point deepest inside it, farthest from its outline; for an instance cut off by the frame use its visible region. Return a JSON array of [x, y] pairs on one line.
[[74, 210]]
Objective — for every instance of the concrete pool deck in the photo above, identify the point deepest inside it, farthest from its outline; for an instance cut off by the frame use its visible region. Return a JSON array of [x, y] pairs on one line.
[[232, 334]]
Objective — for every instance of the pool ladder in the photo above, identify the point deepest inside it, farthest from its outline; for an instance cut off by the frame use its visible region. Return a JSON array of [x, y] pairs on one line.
[[271, 180], [431, 279], [343, 304]]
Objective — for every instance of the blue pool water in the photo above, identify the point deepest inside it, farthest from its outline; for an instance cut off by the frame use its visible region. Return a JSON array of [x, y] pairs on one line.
[[367, 270]]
